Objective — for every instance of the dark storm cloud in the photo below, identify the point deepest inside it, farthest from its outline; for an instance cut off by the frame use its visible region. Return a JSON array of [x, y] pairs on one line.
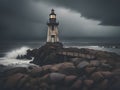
[[106, 11], [18, 20], [26, 19]]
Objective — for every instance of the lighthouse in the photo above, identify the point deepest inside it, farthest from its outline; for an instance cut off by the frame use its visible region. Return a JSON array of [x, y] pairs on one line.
[[52, 34]]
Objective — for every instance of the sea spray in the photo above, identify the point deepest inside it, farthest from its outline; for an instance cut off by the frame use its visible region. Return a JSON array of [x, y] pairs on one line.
[[10, 57], [14, 53]]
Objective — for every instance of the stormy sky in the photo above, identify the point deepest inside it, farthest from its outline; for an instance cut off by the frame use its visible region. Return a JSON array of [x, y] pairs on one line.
[[26, 19]]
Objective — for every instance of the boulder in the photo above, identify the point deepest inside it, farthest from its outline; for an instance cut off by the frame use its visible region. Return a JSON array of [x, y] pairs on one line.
[[63, 88], [69, 71], [90, 69], [54, 69], [62, 66], [76, 61], [66, 65], [97, 76], [45, 77], [82, 64], [15, 70], [35, 70], [13, 80], [94, 62], [43, 86], [32, 67], [22, 81], [26, 86], [56, 77], [107, 74], [103, 85], [77, 84], [115, 86], [70, 79], [53, 87], [33, 81], [116, 72], [101, 75], [47, 67], [88, 83]]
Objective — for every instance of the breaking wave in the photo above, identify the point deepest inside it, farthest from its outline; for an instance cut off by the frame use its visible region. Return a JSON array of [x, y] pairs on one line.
[[10, 57], [20, 51]]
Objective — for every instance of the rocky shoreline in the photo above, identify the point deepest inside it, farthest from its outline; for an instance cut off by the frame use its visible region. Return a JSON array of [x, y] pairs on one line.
[[64, 70]]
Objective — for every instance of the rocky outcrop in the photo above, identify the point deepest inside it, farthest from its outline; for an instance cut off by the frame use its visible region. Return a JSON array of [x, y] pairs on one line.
[[58, 72], [65, 76], [54, 53]]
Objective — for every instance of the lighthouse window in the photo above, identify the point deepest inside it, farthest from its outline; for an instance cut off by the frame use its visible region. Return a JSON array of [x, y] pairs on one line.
[[52, 16]]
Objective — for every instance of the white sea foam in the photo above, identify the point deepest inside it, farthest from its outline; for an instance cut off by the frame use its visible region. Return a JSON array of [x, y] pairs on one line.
[[10, 57], [14, 53]]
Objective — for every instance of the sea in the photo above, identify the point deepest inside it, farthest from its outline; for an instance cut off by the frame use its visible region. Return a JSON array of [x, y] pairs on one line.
[[9, 50]]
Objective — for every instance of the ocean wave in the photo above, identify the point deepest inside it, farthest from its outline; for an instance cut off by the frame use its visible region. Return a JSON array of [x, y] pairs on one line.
[[14, 53], [10, 57]]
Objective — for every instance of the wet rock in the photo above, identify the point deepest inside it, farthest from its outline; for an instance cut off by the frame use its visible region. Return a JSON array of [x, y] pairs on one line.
[[89, 70], [2, 66], [85, 88], [54, 68], [44, 86], [35, 70], [88, 83], [15, 70], [77, 84], [13, 80], [63, 88], [56, 77], [69, 71], [76, 61], [47, 54], [70, 79], [94, 63], [115, 85], [116, 72], [103, 85], [62, 66], [59, 72], [32, 66], [44, 78], [33, 83], [47, 67], [27, 86], [103, 54], [24, 57], [82, 64], [103, 61], [53, 87], [107, 74], [106, 66], [97, 76], [23, 81]]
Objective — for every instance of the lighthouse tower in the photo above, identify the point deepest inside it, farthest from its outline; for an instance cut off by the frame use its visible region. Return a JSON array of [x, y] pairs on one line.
[[52, 35]]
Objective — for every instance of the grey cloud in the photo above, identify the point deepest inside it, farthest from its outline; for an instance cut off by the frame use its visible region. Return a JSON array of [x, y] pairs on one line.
[[107, 11], [18, 20], [26, 19]]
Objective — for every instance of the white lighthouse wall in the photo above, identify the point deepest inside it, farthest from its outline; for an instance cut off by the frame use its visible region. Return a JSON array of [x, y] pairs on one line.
[[52, 32], [48, 34], [57, 37]]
